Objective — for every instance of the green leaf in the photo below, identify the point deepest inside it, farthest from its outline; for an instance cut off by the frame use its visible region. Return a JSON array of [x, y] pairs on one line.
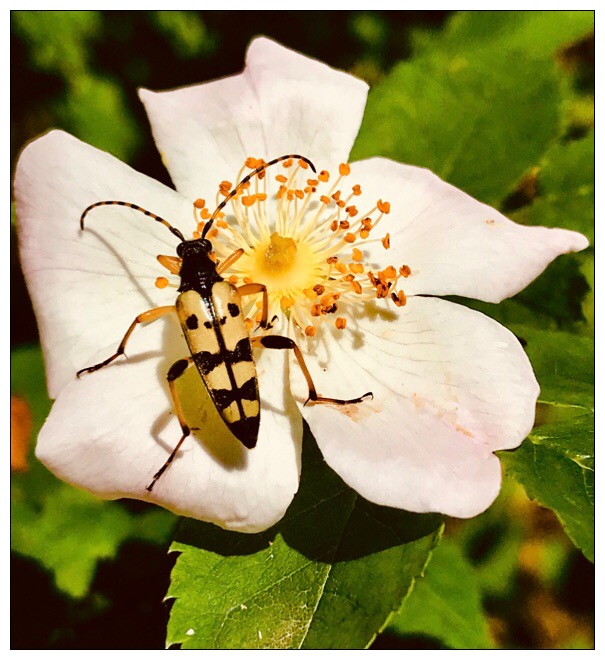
[[186, 31], [327, 576], [538, 33], [67, 530], [446, 603], [556, 462], [96, 110], [465, 118], [556, 467], [565, 183], [58, 40]]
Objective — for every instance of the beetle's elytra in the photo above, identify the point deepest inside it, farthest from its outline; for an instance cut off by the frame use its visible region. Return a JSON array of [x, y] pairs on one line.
[[210, 313]]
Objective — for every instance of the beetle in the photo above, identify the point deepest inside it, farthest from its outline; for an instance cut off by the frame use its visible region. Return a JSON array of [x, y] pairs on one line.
[[209, 310]]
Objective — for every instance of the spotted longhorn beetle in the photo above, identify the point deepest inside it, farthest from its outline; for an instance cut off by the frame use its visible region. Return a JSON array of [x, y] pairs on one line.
[[210, 313]]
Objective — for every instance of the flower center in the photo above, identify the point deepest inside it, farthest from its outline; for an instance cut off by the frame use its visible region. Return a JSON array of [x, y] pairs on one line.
[[306, 241], [280, 254]]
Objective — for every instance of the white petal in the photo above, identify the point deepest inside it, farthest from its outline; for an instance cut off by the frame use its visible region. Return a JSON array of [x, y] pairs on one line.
[[282, 103], [453, 244], [112, 430], [87, 287], [450, 386]]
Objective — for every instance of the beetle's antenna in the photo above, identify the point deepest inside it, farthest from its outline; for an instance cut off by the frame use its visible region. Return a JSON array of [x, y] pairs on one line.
[[245, 180], [174, 230]]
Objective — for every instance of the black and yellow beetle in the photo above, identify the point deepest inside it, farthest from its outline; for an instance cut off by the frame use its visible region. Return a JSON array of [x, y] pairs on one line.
[[210, 313]]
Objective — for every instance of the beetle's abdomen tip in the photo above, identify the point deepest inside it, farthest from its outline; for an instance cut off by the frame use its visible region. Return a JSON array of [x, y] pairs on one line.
[[246, 431]]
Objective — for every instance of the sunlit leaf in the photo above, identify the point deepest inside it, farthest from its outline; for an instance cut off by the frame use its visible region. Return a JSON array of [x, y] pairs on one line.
[[465, 118]]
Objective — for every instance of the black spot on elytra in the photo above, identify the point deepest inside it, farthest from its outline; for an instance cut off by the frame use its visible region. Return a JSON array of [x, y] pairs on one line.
[[191, 322], [207, 361], [223, 320], [208, 324], [233, 309]]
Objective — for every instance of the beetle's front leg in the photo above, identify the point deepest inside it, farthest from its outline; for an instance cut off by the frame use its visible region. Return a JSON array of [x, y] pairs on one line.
[[145, 317]]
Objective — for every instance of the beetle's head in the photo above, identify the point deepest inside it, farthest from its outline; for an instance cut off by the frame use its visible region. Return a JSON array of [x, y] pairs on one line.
[[194, 247]]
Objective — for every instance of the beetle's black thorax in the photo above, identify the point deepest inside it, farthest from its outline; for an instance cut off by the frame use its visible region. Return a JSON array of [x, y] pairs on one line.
[[198, 271]]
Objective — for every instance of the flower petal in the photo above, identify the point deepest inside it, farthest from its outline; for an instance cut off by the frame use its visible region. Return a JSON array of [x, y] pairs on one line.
[[282, 103], [450, 386], [454, 244], [87, 287], [112, 430]]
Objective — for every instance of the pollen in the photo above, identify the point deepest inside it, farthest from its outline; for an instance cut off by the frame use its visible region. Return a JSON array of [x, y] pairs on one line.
[[310, 331], [161, 282], [340, 323], [344, 169], [199, 203]]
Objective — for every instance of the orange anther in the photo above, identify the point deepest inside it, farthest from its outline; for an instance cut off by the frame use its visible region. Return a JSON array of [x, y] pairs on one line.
[[310, 293], [386, 242], [319, 289], [349, 277], [405, 271], [344, 224], [357, 189], [299, 193], [310, 330], [334, 225], [248, 280], [303, 164], [356, 268], [340, 203], [357, 254], [344, 169], [286, 302], [341, 268], [383, 207], [352, 211], [281, 178], [196, 234], [199, 203], [336, 195], [341, 323], [248, 200], [312, 182], [248, 323], [253, 163], [364, 233], [324, 175], [356, 287], [399, 299], [222, 224], [332, 260], [389, 272], [261, 197], [350, 238], [288, 163], [234, 279], [161, 282], [324, 199], [206, 215], [213, 233], [316, 310]]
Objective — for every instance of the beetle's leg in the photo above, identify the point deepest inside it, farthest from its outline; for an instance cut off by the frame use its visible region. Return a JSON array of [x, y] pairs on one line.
[[145, 317], [173, 264], [229, 261], [175, 371], [254, 289], [277, 341]]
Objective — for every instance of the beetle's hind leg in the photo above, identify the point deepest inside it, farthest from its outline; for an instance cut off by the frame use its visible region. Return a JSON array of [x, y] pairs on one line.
[[145, 317], [175, 371], [279, 342]]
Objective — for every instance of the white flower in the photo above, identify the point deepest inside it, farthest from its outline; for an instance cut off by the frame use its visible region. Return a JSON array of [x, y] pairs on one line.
[[450, 385]]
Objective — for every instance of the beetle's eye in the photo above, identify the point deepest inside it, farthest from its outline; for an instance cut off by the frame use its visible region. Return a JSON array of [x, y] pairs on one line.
[[179, 249], [206, 245]]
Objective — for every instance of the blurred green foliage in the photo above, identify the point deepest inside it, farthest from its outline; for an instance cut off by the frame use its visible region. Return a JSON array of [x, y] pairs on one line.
[[499, 103]]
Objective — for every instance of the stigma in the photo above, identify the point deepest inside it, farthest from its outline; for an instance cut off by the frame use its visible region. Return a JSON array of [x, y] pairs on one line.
[[305, 238]]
